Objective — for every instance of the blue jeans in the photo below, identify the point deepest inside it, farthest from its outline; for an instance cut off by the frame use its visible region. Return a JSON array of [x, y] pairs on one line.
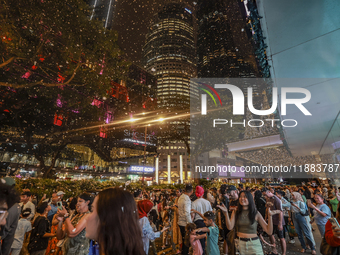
[[321, 229], [302, 228]]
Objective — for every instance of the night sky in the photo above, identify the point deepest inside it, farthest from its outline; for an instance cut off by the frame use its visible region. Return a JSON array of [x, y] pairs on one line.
[[132, 18]]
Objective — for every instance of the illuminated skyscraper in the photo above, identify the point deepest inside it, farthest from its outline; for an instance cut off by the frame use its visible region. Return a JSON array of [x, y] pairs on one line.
[[103, 10], [169, 54], [223, 48]]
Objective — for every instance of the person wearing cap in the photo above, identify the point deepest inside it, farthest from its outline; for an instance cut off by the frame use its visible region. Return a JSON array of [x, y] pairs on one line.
[[202, 206], [8, 230], [60, 194], [184, 215], [26, 203], [23, 227]]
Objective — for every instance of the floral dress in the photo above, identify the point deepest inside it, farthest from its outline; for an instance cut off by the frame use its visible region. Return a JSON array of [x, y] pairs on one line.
[[78, 245], [52, 247]]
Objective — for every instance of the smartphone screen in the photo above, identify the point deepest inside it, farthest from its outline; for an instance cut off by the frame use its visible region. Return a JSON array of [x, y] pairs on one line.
[[334, 222]]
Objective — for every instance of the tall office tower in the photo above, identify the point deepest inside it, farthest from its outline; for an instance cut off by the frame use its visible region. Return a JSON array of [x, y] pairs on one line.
[[169, 54], [224, 50], [102, 10]]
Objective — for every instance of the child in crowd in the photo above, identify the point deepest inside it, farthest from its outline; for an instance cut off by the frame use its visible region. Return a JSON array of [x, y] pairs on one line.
[[144, 207], [153, 245], [166, 224], [212, 232], [23, 227], [191, 239]]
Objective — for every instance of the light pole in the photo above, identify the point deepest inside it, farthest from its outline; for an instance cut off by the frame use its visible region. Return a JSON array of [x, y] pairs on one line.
[[146, 131], [145, 135]]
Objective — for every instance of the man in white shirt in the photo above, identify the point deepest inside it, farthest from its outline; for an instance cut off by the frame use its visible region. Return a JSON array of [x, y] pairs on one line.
[[202, 206], [26, 203], [184, 214]]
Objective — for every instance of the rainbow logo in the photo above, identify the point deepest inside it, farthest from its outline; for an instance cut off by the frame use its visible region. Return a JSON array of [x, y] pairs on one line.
[[209, 93]]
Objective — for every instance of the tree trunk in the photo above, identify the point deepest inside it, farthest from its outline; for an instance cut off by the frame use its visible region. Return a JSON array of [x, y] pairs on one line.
[[48, 171]]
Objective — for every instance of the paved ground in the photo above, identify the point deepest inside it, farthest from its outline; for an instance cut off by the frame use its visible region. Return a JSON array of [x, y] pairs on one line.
[[292, 249]]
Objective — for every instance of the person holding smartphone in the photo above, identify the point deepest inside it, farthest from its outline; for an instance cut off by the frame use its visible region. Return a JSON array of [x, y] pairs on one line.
[[298, 208], [144, 207], [332, 231], [321, 212]]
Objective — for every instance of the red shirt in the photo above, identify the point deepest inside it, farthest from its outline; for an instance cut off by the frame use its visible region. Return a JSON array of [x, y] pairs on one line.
[[330, 238]]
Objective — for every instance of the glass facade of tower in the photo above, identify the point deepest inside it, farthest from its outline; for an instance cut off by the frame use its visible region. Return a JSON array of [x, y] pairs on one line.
[[224, 49], [169, 52]]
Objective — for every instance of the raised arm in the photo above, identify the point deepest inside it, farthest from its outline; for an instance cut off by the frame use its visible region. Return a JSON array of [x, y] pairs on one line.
[[230, 222], [204, 229], [55, 220], [200, 236], [317, 210], [73, 231], [60, 232], [193, 211], [70, 230], [268, 228]]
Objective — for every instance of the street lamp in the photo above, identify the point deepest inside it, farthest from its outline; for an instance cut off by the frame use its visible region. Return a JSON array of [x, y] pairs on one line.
[[146, 131]]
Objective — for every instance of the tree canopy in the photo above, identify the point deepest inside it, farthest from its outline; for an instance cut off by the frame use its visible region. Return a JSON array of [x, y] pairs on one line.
[[53, 42], [56, 72]]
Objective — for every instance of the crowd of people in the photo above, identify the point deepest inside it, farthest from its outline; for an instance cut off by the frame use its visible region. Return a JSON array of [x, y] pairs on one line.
[[228, 220], [280, 156], [260, 128]]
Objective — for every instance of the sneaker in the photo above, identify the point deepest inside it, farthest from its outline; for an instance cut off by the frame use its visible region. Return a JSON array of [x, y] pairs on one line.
[[291, 241]]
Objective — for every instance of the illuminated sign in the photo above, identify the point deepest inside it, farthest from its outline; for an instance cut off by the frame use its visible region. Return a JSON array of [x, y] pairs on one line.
[[133, 134], [145, 169], [138, 142]]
